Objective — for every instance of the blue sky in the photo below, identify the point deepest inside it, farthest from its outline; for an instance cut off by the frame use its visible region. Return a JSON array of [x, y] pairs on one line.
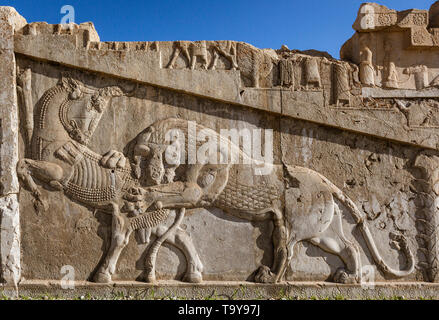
[[300, 24]]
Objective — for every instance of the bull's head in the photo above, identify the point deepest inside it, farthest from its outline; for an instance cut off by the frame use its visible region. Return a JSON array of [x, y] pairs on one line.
[[161, 158]]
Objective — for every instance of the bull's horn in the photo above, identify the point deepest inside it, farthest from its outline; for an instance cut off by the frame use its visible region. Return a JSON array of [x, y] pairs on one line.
[[141, 150]]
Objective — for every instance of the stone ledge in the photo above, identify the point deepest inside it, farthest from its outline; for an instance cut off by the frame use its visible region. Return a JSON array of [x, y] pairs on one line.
[[225, 290], [401, 94]]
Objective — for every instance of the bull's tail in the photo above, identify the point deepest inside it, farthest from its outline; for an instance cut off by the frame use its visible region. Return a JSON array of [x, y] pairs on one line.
[[400, 240], [153, 251]]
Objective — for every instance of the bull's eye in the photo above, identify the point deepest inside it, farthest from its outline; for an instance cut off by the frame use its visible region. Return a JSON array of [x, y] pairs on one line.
[[206, 179]]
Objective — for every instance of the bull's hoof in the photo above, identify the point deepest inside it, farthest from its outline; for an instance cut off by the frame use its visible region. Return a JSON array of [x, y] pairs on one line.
[[102, 277], [341, 276], [264, 275], [150, 278], [193, 277]]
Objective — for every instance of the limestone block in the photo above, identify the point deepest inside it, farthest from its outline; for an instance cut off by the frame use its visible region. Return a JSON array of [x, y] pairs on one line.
[[10, 239], [10, 21]]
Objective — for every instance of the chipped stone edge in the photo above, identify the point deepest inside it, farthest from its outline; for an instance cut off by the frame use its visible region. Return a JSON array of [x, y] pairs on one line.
[[10, 255]]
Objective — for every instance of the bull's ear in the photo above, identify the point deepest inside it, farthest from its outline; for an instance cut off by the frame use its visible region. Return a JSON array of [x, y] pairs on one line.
[[136, 167], [141, 150], [137, 171]]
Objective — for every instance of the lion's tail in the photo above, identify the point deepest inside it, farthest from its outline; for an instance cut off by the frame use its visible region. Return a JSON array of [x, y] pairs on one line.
[[400, 240]]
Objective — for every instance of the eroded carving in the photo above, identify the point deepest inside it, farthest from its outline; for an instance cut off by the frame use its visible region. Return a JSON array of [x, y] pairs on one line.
[[419, 113], [194, 52], [342, 85], [367, 69], [389, 41]]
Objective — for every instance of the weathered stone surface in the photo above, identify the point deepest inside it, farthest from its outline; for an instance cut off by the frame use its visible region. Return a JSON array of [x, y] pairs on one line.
[[257, 69], [10, 239], [10, 21], [126, 169], [169, 290]]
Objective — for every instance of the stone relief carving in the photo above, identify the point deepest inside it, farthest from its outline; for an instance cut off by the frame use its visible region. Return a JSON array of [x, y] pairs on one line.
[[342, 85], [381, 88], [419, 113], [61, 159], [312, 73], [420, 74], [367, 69], [286, 73], [391, 78], [193, 52], [308, 197], [228, 51], [139, 195], [380, 44]]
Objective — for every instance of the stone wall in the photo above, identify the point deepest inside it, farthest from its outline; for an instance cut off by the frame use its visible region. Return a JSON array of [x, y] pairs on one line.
[[336, 171]]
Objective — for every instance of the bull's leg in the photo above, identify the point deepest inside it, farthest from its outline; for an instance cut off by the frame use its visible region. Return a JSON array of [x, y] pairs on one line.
[[175, 55], [205, 61], [264, 274], [182, 241], [120, 234], [194, 270], [229, 56], [48, 172], [154, 249], [334, 241]]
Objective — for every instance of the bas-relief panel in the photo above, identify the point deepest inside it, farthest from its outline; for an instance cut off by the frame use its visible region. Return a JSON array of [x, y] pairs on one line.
[[109, 187], [88, 230]]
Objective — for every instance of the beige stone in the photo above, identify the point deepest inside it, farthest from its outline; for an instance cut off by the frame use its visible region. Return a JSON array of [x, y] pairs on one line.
[[120, 151], [10, 21]]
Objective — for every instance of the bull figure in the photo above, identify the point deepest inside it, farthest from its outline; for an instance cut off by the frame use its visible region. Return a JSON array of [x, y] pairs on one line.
[[299, 201]]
